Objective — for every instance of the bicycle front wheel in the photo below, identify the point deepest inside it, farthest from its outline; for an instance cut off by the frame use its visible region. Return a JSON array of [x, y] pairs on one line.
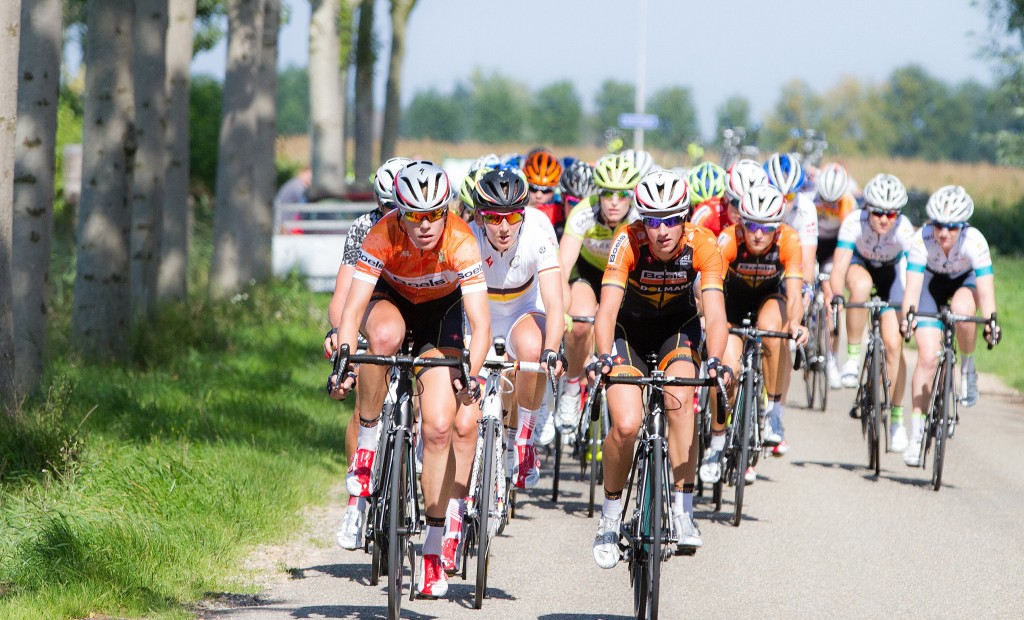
[[823, 346], [941, 427], [748, 411], [593, 453], [485, 504], [647, 545], [398, 536], [875, 423]]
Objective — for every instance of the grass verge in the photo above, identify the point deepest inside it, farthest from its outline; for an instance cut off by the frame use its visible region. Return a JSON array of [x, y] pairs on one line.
[[1003, 359], [136, 491]]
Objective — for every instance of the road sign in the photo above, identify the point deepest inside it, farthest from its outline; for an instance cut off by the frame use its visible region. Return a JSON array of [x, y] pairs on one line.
[[630, 120]]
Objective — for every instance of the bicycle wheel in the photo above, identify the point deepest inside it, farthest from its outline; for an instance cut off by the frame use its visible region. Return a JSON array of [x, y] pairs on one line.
[[811, 355], [375, 550], [594, 450], [558, 465], [656, 527], [823, 346], [942, 424], [398, 537], [747, 411], [875, 418], [639, 567], [485, 504]]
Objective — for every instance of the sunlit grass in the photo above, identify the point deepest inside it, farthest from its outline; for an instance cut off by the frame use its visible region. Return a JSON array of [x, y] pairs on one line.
[[1004, 359]]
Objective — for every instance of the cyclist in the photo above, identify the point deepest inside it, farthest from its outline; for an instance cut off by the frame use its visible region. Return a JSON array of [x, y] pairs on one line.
[[357, 479], [583, 255], [948, 265], [524, 290], [648, 306], [640, 159], [763, 279], [576, 184], [419, 269], [741, 176], [543, 171], [707, 192], [834, 203], [869, 254], [785, 173]]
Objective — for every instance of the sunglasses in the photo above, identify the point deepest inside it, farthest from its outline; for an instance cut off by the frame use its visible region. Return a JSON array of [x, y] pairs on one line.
[[655, 222], [950, 225], [417, 217], [540, 189], [890, 215], [734, 202], [622, 194], [496, 217], [754, 227]]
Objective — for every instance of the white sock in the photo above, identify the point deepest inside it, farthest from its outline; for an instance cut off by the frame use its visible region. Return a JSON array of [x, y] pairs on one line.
[[432, 543], [572, 386], [527, 420], [678, 502], [916, 425], [612, 508], [368, 437], [688, 503], [967, 363], [453, 522], [775, 416], [717, 441]]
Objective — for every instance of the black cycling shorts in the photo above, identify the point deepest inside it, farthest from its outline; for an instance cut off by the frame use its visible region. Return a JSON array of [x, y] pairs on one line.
[[435, 324], [637, 337]]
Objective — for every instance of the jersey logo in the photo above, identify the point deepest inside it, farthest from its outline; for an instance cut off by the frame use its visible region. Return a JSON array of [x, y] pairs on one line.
[[490, 261]]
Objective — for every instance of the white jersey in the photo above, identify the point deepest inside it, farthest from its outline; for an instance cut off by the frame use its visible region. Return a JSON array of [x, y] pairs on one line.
[[856, 234], [512, 275], [969, 253], [803, 218]]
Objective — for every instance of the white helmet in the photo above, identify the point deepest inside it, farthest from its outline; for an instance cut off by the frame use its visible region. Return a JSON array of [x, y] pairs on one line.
[[422, 186], [662, 193], [763, 204], [484, 161], [384, 180], [885, 193], [784, 172], [641, 159], [950, 204], [832, 182], [743, 175]]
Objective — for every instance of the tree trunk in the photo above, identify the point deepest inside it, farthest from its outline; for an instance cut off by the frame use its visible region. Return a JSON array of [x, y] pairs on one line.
[[34, 166], [262, 208], [232, 234], [151, 157], [400, 10], [102, 309], [366, 58], [326, 100], [10, 32], [172, 278]]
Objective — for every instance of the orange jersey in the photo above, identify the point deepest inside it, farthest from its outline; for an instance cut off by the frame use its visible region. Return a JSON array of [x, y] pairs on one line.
[[712, 214], [421, 275], [661, 287], [748, 271]]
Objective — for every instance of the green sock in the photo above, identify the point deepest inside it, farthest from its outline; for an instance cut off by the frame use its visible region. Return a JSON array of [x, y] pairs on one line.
[[896, 415], [853, 350]]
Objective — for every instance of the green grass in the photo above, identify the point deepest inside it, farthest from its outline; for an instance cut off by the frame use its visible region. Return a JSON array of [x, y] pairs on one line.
[[1004, 359], [135, 491]]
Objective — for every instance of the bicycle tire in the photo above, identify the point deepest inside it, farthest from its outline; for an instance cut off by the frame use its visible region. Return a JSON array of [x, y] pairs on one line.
[[396, 523], [639, 560], [874, 426], [942, 424], [484, 505], [747, 413], [558, 465], [656, 527], [375, 563], [824, 347], [810, 376], [593, 449]]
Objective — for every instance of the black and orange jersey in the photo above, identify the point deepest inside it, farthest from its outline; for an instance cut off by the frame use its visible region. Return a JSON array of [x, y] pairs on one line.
[[751, 274], [657, 288]]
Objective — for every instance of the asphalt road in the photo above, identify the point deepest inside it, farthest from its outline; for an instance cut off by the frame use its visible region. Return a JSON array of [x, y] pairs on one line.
[[821, 539]]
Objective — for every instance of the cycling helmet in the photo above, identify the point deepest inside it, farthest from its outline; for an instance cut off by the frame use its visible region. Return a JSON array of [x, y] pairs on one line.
[[832, 182], [784, 172], [501, 189], [578, 180], [743, 175], [885, 193], [950, 204], [510, 160], [616, 173], [490, 161], [763, 204], [707, 181], [422, 186], [384, 180], [661, 194], [542, 168], [641, 159], [469, 184]]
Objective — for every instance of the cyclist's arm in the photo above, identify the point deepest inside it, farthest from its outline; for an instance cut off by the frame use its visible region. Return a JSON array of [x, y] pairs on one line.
[[478, 315], [554, 309], [337, 304], [359, 293], [986, 287], [840, 265], [607, 312], [912, 289], [568, 253], [716, 326], [809, 257]]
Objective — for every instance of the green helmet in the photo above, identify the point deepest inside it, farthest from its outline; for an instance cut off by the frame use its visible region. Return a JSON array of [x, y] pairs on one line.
[[707, 181], [616, 173], [469, 185]]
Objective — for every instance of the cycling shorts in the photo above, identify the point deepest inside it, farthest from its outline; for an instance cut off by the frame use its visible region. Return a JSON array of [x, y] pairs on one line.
[[434, 324], [588, 273], [636, 337], [887, 278], [826, 249], [503, 326], [739, 307], [936, 291]]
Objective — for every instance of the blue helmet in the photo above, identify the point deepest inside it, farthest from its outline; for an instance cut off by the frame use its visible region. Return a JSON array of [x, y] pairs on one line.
[[784, 172]]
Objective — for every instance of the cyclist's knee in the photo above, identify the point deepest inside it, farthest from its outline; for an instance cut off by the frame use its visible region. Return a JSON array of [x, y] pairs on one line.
[[384, 339]]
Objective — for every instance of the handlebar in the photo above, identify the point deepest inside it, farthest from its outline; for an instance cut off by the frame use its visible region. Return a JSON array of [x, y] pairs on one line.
[[342, 360], [949, 318], [658, 382], [752, 332]]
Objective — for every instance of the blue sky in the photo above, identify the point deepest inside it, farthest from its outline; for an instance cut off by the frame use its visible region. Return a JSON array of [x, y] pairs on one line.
[[718, 49]]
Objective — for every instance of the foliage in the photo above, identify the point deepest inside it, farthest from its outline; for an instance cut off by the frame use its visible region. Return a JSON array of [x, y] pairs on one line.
[[433, 116], [205, 98], [499, 108], [292, 99], [798, 108], [1004, 359], [678, 118], [613, 98], [556, 116], [735, 112], [211, 17]]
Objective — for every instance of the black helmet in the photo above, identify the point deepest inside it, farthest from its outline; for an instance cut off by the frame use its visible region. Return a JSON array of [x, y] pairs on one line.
[[501, 189]]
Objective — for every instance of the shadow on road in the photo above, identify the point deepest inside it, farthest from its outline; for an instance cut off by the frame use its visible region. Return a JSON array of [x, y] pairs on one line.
[[464, 594], [581, 617], [859, 468], [360, 573], [353, 611]]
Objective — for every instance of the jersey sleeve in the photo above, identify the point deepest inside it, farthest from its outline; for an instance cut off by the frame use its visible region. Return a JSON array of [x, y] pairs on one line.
[[977, 250], [905, 234], [376, 251], [354, 239], [790, 253], [727, 246], [466, 261], [806, 221], [917, 256], [707, 259], [849, 232], [622, 258]]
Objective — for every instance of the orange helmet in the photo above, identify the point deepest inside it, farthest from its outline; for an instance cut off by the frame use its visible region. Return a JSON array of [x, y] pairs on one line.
[[542, 168]]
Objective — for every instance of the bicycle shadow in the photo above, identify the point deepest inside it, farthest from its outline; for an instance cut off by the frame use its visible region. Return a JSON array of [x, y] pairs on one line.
[[464, 594], [581, 617], [359, 573], [870, 475], [354, 611]]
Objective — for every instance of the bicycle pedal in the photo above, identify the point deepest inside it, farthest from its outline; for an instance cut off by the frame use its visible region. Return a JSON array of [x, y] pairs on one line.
[[686, 551], [854, 413]]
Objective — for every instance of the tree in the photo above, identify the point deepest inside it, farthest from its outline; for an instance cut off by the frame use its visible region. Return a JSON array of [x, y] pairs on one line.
[[327, 98], [101, 310], [433, 116], [914, 102], [292, 102], [557, 114], [172, 273], [236, 190], [366, 57], [151, 154], [261, 209], [613, 98], [735, 112], [798, 108], [400, 10], [678, 116], [10, 32], [206, 96], [499, 108], [1007, 17]]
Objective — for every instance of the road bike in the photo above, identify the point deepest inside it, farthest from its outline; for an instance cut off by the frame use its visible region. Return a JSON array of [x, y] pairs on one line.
[[817, 350], [942, 416], [394, 501], [648, 532], [871, 404], [560, 431], [487, 506]]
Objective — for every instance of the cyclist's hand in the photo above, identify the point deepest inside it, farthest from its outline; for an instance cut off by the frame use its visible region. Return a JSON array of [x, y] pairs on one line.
[[330, 342], [338, 387], [467, 395], [602, 366], [993, 333], [552, 362], [800, 334], [717, 369]]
